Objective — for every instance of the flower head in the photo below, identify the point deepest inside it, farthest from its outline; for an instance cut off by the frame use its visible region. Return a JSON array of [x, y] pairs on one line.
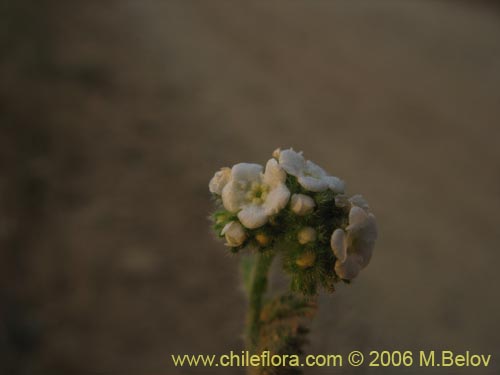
[[255, 195], [311, 176], [287, 208], [353, 247]]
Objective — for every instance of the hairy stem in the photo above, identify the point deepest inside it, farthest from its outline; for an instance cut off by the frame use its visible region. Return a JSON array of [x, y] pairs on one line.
[[258, 287]]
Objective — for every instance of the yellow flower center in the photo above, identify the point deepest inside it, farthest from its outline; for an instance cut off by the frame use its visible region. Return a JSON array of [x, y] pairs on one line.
[[257, 193]]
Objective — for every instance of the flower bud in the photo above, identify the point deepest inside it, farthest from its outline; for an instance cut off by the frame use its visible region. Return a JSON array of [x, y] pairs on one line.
[[276, 153], [306, 260], [342, 201], [234, 233], [302, 204], [338, 243], [219, 180], [263, 239], [306, 235]]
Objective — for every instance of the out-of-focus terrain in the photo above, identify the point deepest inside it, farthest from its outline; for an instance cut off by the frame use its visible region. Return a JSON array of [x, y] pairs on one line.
[[114, 115]]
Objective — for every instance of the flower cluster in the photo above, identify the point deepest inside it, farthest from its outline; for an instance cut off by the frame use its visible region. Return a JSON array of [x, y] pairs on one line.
[[293, 207]]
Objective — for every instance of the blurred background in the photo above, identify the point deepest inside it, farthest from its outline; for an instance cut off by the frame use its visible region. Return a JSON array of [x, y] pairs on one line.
[[115, 114]]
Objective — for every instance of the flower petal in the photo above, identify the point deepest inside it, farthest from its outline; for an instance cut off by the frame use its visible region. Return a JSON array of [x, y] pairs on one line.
[[246, 172], [253, 216], [339, 244], [233, 197], [276, 199], [292, 162], [357, 219], [369, 231], [349, 269], [312, 183], [335, 184], [219, 180], [314, 170], [365, 250], [274, 174]]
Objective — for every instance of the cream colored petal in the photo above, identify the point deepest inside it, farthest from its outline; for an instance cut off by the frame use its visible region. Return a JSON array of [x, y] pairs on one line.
[[312, 183], [273, 174], [219, 180], [335, 184], [370, 231], [349, 269], [314, 169], [253, 216], [246, 172], [365, 250], [338, 242], [276, 199], [357, 219], [362, 241], [292, 162], [233, 197], [226, 228]]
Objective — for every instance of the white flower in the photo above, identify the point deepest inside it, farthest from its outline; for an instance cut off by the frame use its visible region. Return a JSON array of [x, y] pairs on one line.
[[302, 204], [306, 235], [353, 247], [309, 175], [219, 180], [234, 233], [254, 195]]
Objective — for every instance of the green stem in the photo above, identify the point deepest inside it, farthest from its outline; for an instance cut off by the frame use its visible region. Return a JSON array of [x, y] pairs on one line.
[[258, 287]]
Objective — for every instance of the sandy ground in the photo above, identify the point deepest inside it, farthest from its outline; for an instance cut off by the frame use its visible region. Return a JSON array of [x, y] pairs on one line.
[[115, 114]]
